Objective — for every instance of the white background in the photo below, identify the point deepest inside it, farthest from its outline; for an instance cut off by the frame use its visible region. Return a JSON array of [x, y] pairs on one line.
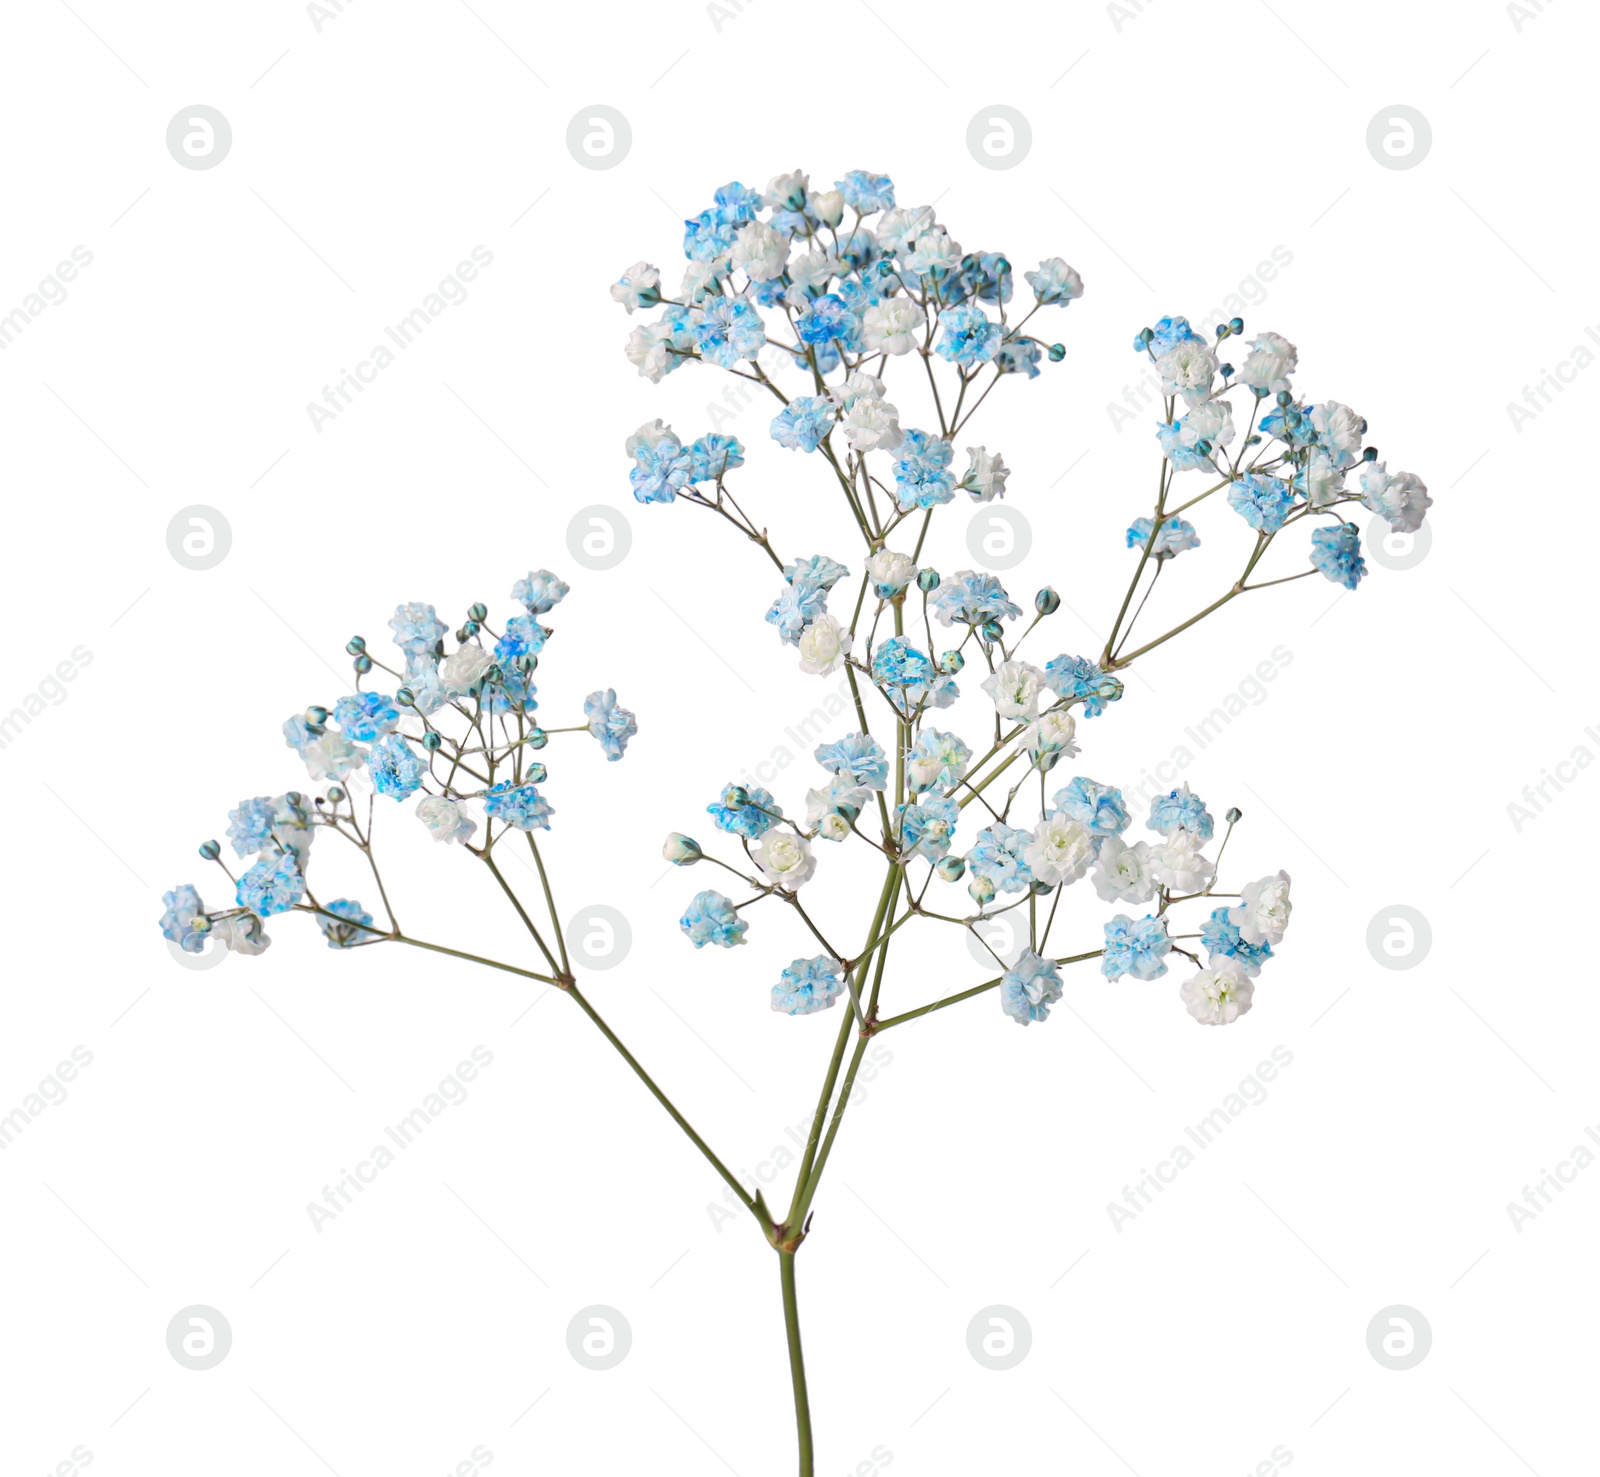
[[1172, 151]]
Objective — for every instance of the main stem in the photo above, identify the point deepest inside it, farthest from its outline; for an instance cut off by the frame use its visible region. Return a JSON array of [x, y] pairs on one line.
[[797, 1364]]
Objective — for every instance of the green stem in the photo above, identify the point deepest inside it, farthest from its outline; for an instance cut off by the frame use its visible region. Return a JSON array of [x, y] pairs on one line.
[[797, 1365]]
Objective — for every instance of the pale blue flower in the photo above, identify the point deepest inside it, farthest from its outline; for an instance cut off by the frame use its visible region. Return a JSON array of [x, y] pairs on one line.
[[1220, 934], [1078, 677], [416, 628], [184, 912], [1262, 501], [661, 469], [803, 422], [365, 715], [540, 591], [422, 678], [865, 192], [524, 636], [710, 918], [858, 755], [752, 820], [1135, 948], [1176, 536], [1181, 810], [800, 603], [1097, 807], [1184, 454], [819, 569], [921, 471], [1336, 551], [1167, 335], [272, 885], [808, 985], [949, 750], [298, 732], [351, 926], [250, 826], [521, 806], [970, 336], [712, 456], [1019, 354], [997, 855], [730, 330], [929, 826], [1029, 988], [972, 597], [897, 663], [612, 725], [395, 768]]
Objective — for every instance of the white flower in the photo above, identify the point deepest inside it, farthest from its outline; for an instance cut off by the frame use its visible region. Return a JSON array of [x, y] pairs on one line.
[[650, 348], [1051, 733], [899, 227], [1210, 421], [1177, 864], [824, 645], [933, 250], [680, 850], [832, 826], [240, 933], [1187, 369], [760, 252], [891, 327], [924, 771], [1218, 996], [446, 820], [637, 287], [829, 809], [1268, 365], [332, 756], [1055, 282], [463, 669], [813, 270], [1122, 872], [1340, 428], [651, 434], [890, 572], [1263, 911], [698, 277], [1324, 481], [986, 477], [1014, 688], [788, 191], [1060, 851], [1402, 499], [872, 425], [860, 386], [827, 206], [785, 858]]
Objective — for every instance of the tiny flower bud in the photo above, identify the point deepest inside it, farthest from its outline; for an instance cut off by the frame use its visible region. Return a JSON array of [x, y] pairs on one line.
[[951, 663], [1223, 331], [981, 891], [1284, 397], [1041, 889], [536, 774], [335, 793], [1234, 815], [210, 850], [927, 580], [950, 868], [355, 645], [537, 738], [1236, 325], [1058, 352], [363, 664], [527, 662], [467, 631], [1203, 447], [992, 631], [681, 850], [431, 741], [405, 697], [478, 612], [316, 716], [493, 673], [1227, 371], [736, 797], [1047, 602], [1369, 454]]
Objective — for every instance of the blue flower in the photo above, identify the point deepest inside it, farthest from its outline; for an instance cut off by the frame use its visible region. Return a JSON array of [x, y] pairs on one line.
[[1336, 552], [1262, 501], [1078, 677], [540, 591], [710, 919], [829, 320], [819, 569], [712, 456], [513, 693], [1135, 948], [1093, 805], [185, 921], [1019, 354], [395, 768], [737, 204], [808, 985], [800, 603], [427, 690], [1168, 334], [1184, 455], [729, 330], [997, 855], [364, 715], [803, 422], [416, 628], [897, 663], [521, 806], [707, 237], [991, 276], [250, 826], [1029, 988], [972, 597], [1290, 424], [970, 336], [297, 732], [1180, 810], [272, 885], [752, 820], [859, 756], [661, 469], [922, 478], [612, 725], [351, 925], [949, 750], [865, 192], [1175, 536], [928, 826], [1220, 934], [523, 636]]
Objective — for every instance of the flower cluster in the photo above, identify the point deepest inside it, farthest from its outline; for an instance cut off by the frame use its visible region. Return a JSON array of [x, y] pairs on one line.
[[456, 731]]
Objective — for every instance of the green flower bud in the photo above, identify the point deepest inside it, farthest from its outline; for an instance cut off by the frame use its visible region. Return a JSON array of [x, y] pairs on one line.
[[492, 673], [950, 868], [981, 890], [1283, 398], [927, 580], [477, 612], [527, 662], [536, 774], [537, 738], [1057, 352], [316, 716], [1236, 325], [1047, 602], [1234, 815], [356, 645], [951, 663], [362, 664], [405, 697], [736, 797], [335, 793], [432, 742], [992, 631], [210, 850], [1369, 454]]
